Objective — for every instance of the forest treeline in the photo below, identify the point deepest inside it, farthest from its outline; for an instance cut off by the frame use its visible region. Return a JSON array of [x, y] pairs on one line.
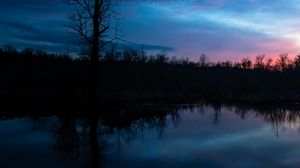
[[35, 78]]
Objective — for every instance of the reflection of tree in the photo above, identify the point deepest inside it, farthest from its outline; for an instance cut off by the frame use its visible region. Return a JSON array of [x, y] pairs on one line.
[[279, 116], [217, 114], [78, 141], [68, 141], [89, 141], [71, 140], [84, 141]]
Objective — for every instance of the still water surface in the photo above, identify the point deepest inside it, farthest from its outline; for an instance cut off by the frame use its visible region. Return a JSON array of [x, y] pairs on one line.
[[194, 136]]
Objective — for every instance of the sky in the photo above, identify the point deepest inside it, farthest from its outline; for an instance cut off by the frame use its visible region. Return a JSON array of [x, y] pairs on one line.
[[221, 29]]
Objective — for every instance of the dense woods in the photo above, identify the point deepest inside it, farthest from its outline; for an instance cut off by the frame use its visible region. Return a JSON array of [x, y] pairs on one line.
[[36, 79]]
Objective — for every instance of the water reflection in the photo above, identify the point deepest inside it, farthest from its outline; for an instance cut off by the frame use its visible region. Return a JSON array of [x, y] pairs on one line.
[[280, 117], [157, 136]]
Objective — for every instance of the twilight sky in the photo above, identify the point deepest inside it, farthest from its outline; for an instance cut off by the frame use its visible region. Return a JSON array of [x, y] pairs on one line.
[[222, 29]]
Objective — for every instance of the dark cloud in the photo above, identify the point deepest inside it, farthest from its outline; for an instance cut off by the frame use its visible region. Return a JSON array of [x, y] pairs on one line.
[[147, 47], [18, 26]]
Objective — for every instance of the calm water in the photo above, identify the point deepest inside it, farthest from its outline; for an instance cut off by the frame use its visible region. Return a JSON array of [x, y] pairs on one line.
[[199, 136]]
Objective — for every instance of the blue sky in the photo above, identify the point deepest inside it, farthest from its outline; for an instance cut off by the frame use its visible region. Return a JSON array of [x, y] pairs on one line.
[[222, 29]]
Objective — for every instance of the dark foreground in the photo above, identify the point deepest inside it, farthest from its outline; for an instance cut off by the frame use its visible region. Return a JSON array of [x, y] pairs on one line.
[[175, 136]]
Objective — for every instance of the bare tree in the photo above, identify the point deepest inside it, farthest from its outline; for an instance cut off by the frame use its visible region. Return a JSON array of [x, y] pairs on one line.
[[268, 64], [283, 61], [92, 21], [259, 62], [203, 61], [246, 63], [297, 61]]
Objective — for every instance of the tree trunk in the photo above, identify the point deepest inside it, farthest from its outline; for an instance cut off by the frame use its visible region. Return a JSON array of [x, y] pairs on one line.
[[95, 53]]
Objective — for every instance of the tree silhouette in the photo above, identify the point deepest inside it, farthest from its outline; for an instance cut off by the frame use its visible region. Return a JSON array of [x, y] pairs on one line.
[[246, 63], [259, 62], [92, 21], [203, 61], [283, 61], [297, 61]]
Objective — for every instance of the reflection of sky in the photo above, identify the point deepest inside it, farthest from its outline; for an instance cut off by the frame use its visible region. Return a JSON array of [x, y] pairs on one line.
[[20, 146], [223, 29], [195, 142]]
